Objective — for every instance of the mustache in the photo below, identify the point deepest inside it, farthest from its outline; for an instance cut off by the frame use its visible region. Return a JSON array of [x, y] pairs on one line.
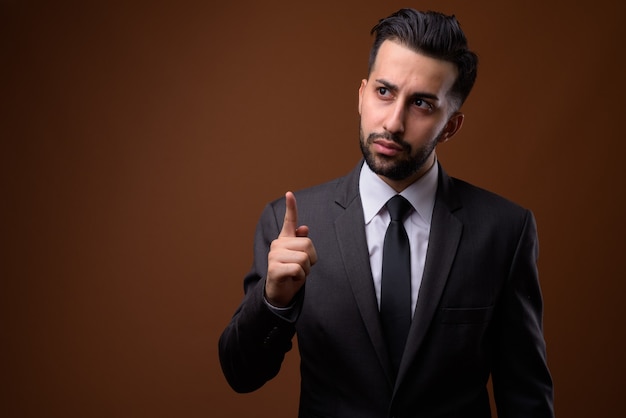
[[389, 137]]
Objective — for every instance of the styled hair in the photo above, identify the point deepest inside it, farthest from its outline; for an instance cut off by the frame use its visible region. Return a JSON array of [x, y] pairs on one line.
[[435, 35]]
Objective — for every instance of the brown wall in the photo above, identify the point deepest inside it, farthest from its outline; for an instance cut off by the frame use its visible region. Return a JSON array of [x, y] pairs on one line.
[[140, 143]]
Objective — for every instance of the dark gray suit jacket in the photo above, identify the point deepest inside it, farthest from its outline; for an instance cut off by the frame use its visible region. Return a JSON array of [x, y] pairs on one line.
[[479, 313]]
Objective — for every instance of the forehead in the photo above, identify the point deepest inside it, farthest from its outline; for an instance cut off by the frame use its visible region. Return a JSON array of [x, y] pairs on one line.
[[407, 68]]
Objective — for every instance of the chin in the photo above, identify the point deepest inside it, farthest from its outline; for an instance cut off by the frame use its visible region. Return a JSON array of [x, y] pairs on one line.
[[390, 168]]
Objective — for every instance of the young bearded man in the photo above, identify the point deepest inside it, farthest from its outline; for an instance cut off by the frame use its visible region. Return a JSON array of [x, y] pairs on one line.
[[418, 336]]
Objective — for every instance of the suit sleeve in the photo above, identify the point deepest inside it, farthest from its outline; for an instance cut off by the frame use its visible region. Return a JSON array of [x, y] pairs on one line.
[[521, 379], [253, 345]]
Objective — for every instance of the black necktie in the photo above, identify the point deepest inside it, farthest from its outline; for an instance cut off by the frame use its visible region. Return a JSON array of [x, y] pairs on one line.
[[395, 299]]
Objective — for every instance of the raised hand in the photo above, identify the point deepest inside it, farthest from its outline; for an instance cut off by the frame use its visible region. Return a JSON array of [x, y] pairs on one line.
[[290, 258]]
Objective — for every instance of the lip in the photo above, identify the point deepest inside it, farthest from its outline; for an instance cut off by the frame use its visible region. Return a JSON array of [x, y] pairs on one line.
[[386, 147]]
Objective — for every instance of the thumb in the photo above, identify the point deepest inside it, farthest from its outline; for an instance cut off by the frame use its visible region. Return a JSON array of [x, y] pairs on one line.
[[290, 223]]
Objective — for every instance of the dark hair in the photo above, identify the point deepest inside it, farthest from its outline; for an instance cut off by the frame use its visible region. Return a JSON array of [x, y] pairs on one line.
[[432, 34]]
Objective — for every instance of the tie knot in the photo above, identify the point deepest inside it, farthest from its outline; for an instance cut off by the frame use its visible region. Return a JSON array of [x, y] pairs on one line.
[[398, 207]]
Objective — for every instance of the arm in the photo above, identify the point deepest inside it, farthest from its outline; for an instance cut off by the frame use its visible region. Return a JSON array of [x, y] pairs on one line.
[[253, 345], [521, 379]]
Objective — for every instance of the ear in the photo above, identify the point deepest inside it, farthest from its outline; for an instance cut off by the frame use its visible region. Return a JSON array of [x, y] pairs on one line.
[[361, 91], [452, 127]]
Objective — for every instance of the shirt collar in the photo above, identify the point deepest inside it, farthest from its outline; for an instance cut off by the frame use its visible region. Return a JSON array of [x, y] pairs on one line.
[[375, 193]]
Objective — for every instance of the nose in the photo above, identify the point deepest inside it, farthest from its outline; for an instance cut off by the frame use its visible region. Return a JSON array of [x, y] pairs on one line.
[[394, 122]]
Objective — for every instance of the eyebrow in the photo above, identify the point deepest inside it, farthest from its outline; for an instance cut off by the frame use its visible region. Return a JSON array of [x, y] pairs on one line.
[[415, 95]]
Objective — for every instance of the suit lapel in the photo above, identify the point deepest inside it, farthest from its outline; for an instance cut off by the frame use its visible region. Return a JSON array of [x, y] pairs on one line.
[[350, 230], [445, 235]]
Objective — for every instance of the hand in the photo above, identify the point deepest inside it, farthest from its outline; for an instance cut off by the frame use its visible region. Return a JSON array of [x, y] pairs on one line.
[[290, 258]]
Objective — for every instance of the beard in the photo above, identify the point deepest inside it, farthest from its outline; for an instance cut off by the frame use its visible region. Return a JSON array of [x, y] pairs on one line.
[[395, 168]]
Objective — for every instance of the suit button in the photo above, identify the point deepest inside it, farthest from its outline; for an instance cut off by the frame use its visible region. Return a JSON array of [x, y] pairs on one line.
[[267, 341]]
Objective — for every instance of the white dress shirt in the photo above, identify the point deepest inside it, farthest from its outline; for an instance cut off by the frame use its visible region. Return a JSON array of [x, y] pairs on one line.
[[421, 194]]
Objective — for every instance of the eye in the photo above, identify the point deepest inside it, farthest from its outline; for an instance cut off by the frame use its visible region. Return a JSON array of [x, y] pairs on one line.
[[422, 104], [382, 91]]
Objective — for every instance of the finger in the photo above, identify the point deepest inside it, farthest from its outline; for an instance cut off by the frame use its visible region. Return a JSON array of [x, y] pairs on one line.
[[302, 231], [290, 223], [291, 264], [302, 246]]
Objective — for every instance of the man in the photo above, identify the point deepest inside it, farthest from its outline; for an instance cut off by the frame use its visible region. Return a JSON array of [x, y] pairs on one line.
[[468, 282]]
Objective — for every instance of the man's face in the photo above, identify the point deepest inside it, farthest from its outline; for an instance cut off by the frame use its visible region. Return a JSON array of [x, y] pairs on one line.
[[405, 112]]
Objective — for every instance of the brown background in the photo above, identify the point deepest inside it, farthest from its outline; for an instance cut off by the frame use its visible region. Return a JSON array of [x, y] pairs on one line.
[[141, 141]]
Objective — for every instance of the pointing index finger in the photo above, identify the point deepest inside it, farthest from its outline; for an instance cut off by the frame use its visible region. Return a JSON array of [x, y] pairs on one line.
[[290, 223]]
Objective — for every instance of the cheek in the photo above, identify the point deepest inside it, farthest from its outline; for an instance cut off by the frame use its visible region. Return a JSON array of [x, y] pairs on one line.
[[369, 118], [424, 130], [420, 136]]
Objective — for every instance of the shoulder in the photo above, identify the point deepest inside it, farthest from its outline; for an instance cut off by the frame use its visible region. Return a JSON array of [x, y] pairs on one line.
[[473, 195], [479, 206]]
